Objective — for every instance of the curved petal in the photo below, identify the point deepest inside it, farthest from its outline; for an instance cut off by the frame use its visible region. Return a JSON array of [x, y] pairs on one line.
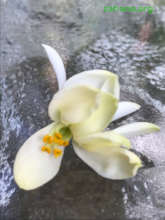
[[99, 79], [32, 167], [125, 108], [114, 163], [57, 65], [136, 128], [106, 139], [73, 105], [100, 119]]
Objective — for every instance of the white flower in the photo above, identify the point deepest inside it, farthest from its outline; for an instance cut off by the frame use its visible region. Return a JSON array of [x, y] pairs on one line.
[[81, 110]]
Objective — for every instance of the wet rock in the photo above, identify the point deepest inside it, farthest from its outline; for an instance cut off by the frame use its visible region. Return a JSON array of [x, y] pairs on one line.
[[132, 45], [25, 93], [67, 26], [140, 68]]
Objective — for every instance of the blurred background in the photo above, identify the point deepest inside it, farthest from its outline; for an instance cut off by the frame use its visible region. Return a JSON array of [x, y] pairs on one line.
[[131, 44]]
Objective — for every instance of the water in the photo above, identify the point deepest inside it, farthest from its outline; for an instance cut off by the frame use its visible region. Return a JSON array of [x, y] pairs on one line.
[[131, 45], [142, 80]]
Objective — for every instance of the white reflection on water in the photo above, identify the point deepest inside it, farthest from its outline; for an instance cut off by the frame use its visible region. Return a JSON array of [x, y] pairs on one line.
[[11, 122], [6, 190]]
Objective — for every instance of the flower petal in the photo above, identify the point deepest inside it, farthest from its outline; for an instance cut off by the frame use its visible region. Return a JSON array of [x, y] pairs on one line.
[[93, 142], [137, 128], [114, 163], [125, 108], [99, 120], [57, 64], [73, 105], [99, 79], [32, 167]]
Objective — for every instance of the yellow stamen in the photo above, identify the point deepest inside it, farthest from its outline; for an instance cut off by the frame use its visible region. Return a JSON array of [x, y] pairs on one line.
[[65, 143], [48, 139], [57, 152], [58, 135], [46, 149], [56, 140], [61, 142]]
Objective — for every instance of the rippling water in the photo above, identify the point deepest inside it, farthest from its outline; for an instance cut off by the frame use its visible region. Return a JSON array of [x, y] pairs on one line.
[[141, 71], [131, 46]]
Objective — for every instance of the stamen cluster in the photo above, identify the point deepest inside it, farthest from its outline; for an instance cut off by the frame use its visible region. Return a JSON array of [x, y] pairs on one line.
[[51, 143]]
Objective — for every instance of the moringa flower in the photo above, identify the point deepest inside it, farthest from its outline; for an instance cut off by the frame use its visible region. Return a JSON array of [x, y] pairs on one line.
[[81, 110]]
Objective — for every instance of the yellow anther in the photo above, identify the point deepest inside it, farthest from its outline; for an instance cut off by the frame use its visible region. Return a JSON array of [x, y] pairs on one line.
[[57, 152], [61, 142], [56, 140], [46, 149], [58, 135], [65, 143], [48, 139]]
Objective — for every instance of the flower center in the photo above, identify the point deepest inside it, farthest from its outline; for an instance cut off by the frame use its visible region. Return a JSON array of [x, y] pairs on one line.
[[58, 137]]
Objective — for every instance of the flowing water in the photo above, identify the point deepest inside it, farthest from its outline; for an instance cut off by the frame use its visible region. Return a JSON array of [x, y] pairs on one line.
[[129, 44]]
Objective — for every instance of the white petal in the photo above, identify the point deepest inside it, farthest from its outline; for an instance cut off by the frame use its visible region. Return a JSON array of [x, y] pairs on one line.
[[136, 128], [32, 167], [57, 64], [100, 118], [99, 79], [125, 108], [74, 104], [94, 141], [115, 163]]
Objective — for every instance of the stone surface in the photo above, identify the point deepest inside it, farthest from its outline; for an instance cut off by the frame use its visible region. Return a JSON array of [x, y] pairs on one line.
[[131, 45]]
